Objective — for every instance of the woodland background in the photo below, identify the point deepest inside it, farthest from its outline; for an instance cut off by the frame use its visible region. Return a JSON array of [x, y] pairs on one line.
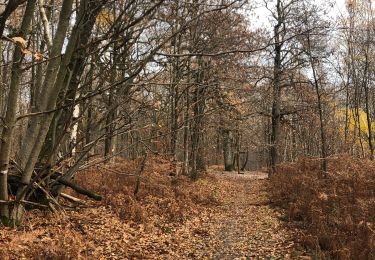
[[90, 82]]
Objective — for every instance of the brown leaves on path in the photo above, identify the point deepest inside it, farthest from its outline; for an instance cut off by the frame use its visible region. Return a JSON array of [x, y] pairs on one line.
[[245, 226], [220, 216]]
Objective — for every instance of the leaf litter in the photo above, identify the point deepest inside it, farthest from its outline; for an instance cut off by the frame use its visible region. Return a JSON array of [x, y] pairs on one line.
[[220, 216]]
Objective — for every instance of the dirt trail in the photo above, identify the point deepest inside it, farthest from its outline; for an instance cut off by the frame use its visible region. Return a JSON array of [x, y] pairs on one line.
[[236, 222], [245, 226]]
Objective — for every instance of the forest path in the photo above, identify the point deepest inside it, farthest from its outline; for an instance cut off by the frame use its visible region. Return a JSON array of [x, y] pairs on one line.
[[232, 221], [245, 226]]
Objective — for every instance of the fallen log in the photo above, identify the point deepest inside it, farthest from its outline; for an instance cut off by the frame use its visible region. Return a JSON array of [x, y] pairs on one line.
[[71, 198], [79, 189], [16, 179]]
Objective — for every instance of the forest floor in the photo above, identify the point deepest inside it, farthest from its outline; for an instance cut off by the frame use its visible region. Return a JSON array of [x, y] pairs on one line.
[[233, 221], [245, 226]]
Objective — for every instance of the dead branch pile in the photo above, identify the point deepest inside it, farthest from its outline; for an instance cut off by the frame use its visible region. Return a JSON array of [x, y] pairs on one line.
[[43, 192]]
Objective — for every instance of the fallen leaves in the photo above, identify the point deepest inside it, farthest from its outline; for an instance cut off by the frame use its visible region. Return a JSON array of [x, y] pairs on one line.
[[219, 216]]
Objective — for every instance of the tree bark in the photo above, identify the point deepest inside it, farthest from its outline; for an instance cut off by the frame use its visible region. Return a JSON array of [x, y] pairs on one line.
[[323, 146], [39, 126], [228, 149], [12, 108], [199, 104], [276, 95], [185, 169]]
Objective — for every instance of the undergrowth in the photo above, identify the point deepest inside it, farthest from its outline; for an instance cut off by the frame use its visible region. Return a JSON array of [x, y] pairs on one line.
[[122, 224], [337, 212], [161, 194]]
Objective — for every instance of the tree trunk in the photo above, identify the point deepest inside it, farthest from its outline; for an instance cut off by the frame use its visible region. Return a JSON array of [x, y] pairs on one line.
[[199, 103], [276, 103], [12, 107], [365, 81], [228, 149], [238, 148], [185, 169], [323, 146], [39, 126]]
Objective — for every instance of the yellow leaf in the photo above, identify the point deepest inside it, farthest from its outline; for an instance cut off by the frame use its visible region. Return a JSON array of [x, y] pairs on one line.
[[38, 56], [26, 51], [104, 18], [20, 41], [157, 105]]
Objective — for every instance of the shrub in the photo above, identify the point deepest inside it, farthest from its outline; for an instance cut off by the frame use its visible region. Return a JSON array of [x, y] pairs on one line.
[[338, 212]]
